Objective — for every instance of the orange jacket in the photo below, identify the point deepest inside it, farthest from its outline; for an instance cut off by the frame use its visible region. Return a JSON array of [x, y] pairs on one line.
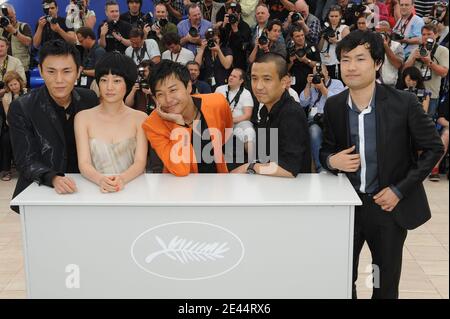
[[176, 151]]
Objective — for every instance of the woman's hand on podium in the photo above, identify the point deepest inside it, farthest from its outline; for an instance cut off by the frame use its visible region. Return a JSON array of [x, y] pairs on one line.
[[111, 184]]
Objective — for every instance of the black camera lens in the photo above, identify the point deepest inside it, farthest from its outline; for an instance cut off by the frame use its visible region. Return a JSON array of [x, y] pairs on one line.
[[232, 18], [263, 39], [296, 17], [423, 51], [397, 36], [209, 34], [4, 22], [211, 44], [316, 79], [430, 44], [193, 32], [162, 23]]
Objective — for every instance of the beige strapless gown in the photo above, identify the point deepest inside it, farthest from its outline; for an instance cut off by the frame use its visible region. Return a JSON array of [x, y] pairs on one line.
[[112, 158]]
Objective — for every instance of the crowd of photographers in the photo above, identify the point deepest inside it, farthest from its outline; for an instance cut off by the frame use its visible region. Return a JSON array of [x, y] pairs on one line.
[[218, 41]]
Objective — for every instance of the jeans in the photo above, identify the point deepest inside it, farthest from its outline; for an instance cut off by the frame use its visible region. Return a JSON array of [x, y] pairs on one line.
[[315, 133], [434, 103]]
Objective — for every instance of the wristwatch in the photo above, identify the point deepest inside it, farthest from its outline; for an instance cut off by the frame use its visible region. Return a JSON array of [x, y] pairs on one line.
[[251, 167]]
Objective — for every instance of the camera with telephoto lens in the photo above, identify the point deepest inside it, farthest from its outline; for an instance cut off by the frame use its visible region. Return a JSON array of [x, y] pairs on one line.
[[328, 32], [296, 16], [113, 26], [209, 36], [290, 47], [161, 23], [141, 79], [424, 49], [233, 18], [193, 32], [317, 78], [146, 19], [420, 93], [48, 17], [397, 36], [4, 21], [357, 9], [263, 39]]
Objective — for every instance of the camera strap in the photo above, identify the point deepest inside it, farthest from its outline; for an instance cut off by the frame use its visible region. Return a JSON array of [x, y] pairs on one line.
[[402, 26], [236, 98], [319, 96], [427, 71], [140, 57]]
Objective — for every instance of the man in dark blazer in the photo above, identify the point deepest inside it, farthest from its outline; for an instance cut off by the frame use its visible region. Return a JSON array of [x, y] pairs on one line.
[[41, 122], [373, 133]]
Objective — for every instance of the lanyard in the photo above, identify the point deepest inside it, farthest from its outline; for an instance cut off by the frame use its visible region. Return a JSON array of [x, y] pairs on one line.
[[403, 25], [236, 98], [178, 55]]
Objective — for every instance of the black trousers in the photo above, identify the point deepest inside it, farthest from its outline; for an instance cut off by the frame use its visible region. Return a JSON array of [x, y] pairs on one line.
[[385, 239], [6, 150]]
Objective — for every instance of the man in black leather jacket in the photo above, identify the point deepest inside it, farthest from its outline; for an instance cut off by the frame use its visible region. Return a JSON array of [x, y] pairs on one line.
[[41, 122]]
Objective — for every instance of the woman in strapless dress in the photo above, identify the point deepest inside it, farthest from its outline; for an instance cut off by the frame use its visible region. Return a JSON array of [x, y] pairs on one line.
[[111, 144]]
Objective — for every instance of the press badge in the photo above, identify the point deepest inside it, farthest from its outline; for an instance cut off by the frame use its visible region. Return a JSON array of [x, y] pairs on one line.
[[426, 74], [293, 80], [83, 81], [213, 81]]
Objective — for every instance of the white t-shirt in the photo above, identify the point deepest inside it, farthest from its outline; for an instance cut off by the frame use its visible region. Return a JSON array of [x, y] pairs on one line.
[[149, 50], [294, 94], [389, 73], [245, 100], [328, 54], [183, 57]]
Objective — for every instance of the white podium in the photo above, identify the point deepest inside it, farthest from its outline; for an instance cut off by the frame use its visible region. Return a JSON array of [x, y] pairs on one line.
[[201, 236]]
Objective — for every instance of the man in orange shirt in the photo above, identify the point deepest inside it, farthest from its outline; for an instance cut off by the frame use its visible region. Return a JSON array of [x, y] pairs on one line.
[[187, 132]]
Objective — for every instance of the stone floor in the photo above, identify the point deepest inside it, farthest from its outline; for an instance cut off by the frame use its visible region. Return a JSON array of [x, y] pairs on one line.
[[425, 267]]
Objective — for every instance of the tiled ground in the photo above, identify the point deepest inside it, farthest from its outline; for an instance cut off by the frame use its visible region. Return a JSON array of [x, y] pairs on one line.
[[425, 267]]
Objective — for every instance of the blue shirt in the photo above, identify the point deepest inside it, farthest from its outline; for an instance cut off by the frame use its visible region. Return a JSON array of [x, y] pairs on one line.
[[183, 30], [316, 100]]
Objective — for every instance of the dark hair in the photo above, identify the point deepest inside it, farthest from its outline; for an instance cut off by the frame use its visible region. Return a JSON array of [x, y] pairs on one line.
[[4, 40], [49, 2], [371, 40], [86, 32], [136, 33], [171, 38], [415, 74], [147, 64], [166, 69], [59, 48], [117, 64], [238, 6], [111, 3], [445, 20], [274, 22], [296, 28], [193, 63], [280, 62], [429, 27]]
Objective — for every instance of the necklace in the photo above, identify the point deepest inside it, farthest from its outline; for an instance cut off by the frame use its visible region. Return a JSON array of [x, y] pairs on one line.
[[193, 119]]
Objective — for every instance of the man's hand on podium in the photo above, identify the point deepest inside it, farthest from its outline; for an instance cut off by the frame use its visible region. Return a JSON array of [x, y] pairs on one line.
[[64, 185]]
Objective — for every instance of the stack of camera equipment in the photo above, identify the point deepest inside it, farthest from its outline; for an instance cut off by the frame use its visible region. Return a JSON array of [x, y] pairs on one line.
[[209, 36]]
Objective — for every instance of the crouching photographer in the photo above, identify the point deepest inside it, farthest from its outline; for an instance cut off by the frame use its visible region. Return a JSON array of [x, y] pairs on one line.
[[413, 82], [141, 97], [432, 61], [318, 89]]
